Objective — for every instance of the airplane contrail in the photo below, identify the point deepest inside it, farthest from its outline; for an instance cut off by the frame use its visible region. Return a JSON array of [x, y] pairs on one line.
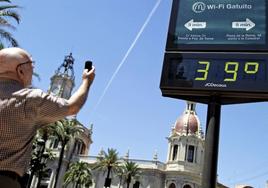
[[128, 52]]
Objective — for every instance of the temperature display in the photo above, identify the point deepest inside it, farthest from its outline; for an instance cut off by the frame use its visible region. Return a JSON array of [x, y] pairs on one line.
[[216, 73]]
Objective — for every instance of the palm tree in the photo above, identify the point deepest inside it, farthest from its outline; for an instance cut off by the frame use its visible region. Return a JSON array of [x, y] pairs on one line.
[[79, 173], [8, 12], [108, 162], [40, 155], [44, 171], [64, 130], [130, 170]]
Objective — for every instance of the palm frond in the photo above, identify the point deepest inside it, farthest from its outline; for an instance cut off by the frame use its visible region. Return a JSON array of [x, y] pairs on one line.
[[10, 14], [7, 7], [130, 170], [37, 76], [1, 45], [4, 23], [7, 12], [109, 161], [65, 129], [80, 173], [8, 36], [8, 1]]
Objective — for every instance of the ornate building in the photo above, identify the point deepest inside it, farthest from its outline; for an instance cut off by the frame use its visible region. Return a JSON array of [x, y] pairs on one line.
[[184, 158]]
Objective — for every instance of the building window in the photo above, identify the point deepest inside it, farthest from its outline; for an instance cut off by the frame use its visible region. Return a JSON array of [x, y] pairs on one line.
[[43, 186], [78, 147], [83, 148], [190, 155], [172, 185], [187, 186], [54, 143], [136, 184], [47, 175], [45, 179], [175, 152]]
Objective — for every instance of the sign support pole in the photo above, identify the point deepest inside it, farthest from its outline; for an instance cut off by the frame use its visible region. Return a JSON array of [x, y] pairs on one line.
[[209, 177]]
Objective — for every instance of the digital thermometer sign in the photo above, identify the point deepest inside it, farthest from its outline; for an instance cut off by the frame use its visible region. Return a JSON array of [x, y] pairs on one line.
[[217, 49], [242, 76]]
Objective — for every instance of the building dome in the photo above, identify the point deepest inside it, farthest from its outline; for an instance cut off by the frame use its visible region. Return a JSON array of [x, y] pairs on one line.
[[188, 122]]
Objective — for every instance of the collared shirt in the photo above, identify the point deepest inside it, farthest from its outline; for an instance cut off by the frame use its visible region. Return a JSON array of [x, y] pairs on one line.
[[22, 112]]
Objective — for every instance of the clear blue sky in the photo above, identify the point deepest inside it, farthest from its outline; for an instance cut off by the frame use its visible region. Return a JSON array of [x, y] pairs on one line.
[[132, 114]]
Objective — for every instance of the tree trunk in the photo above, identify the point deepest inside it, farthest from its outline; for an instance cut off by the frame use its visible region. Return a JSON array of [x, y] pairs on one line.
[[59, 165], [39, 175], [128, 181], [71, 156], [29, 182], [40, 153], [108, 175], [109, 171], [120, 182], [39, 179]]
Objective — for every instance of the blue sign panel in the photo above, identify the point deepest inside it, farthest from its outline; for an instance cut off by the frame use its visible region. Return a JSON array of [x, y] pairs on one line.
[[218, 25]]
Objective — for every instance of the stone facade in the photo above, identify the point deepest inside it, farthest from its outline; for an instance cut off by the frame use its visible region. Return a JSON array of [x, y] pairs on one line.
[[184, 159]]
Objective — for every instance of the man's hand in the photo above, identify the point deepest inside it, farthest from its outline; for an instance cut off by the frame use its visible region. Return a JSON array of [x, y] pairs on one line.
[[88, 76], [78, 99]]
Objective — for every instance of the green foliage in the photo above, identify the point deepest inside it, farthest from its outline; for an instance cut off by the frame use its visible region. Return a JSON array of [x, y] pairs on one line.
[[40, 155], [79, 173], [130, 170], [64, 130], [34, 74], [7, 12], [108, 161]]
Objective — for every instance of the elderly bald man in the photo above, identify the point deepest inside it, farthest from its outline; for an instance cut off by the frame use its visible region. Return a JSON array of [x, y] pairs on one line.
[[24, 110]]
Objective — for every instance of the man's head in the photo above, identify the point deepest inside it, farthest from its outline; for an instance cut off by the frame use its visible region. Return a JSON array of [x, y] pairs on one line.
[[16, 64]]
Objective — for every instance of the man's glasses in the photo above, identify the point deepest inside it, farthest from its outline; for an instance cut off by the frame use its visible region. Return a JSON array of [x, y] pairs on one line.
[[32, 62], [27, 62]]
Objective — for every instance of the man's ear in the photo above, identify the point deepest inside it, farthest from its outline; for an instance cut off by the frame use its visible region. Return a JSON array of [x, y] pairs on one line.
[[20, 72]]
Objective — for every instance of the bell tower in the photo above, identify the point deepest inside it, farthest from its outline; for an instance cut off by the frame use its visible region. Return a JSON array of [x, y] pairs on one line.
[[62, 82], [185, 149]]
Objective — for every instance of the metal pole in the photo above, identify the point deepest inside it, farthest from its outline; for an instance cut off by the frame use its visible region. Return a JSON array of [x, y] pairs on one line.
[[209, 177]]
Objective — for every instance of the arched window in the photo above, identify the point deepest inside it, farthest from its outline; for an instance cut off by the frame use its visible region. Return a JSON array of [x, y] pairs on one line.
[[172, 185], [175, 152], [136, 184], [56, 143], [187, 186], [83, 149], [190, 155], [79, 147], [47, 174]]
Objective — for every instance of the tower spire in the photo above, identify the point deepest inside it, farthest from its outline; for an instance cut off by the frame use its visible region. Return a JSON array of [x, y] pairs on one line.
[[67, 66], [62, 82]]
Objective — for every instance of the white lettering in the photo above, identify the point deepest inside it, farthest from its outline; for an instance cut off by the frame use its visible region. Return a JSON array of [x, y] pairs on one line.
[[198, 8], [238, 6], [215, 85]]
